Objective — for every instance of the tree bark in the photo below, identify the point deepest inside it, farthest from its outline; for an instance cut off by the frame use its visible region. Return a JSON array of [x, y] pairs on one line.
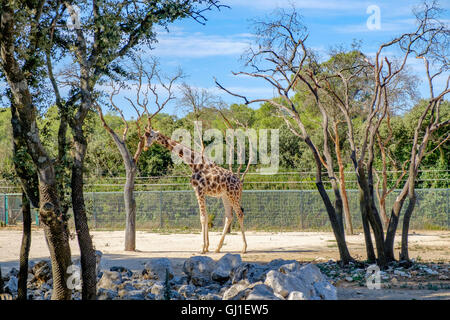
[[56, 233], [25, 248], [370, 252], [393, 223], [337, 226], [130, 209], [55, 226], [371, 215], [87, 254], [404, 254], [343, 190]]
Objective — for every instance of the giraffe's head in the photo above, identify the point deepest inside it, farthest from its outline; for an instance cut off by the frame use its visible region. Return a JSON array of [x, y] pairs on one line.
[[151, 138]]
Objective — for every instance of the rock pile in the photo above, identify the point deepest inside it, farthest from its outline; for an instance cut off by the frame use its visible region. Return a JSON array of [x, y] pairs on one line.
[[203, 279]]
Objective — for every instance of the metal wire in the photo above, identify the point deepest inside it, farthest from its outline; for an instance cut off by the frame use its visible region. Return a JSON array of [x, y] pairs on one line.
[[283, 210]]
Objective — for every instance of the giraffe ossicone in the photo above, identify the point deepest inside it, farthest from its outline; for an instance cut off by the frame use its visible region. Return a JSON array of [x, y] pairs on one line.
[[208, 179]]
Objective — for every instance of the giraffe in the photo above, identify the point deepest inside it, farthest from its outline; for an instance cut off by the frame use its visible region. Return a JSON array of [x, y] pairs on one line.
[[208, 179]]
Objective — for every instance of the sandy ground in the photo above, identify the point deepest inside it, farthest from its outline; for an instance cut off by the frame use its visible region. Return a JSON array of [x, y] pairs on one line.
[[432, 246]]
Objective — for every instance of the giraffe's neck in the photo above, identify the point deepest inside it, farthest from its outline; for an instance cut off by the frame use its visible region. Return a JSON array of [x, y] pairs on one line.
[[189, 156]]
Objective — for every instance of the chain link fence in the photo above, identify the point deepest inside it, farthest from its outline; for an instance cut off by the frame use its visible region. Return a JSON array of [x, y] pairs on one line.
[[280, 210]]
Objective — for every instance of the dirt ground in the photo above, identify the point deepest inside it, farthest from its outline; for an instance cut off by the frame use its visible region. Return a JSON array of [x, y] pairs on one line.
[[425, 246]]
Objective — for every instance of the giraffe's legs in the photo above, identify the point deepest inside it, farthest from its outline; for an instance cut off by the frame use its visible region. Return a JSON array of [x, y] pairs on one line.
[[204, 221], [240, 216], [228, 220]]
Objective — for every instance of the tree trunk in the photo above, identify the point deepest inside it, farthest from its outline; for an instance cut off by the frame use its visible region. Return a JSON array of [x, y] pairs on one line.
[[348, 217], [130, 209], [25, 248], [371, 214], [87, 254], [342, 189], [371, 257], [56, 233], [55, 226], [404, 254], [336, 225], [393, 223]]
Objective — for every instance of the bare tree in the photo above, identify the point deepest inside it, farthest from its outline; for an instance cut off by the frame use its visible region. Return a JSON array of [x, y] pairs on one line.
[[149, 83], [282, 60]]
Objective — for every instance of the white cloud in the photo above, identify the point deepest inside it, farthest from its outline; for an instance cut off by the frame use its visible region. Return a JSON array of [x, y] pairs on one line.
[[200, 45], [337, 5], [394, 26]]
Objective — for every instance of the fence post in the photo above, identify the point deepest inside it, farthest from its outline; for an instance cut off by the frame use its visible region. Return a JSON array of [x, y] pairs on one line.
[[6, 210], [94, 213], [302, 226], [160, 210]]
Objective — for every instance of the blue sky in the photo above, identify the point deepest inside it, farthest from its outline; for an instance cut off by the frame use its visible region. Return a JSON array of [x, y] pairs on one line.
[[213, 50]]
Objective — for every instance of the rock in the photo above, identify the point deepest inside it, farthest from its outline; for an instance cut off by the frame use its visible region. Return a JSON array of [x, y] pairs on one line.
[[251, 272], [187, 290], [199, 269], [174, 295], [211, 296], [121, 269], [42, 271], [349, 279], [277, 263], [401, 273], [14, 272], [296, 295], [109, 280], [98, 260], [283, 284], [325, 290], [48, 295], [106, 294], [178, 281], [134, 295], [310, 274], [158, 289], [12, 285], [236, 291], [46, 287], [290, 267], [430, 271], [156, 269], [261, 292], [224, 266]]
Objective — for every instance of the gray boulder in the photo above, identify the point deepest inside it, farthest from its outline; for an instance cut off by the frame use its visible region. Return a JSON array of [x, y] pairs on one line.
[[109, 280], [290, 267], [325, 290], [187, 290], [237, 291], [198, 270], [106, 294], [224, 266], [12, 285], [296, 295], [261, 292], [134, 295], [156, 269], [98, 260], [251, 272], [283, 284], [310, 274]]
